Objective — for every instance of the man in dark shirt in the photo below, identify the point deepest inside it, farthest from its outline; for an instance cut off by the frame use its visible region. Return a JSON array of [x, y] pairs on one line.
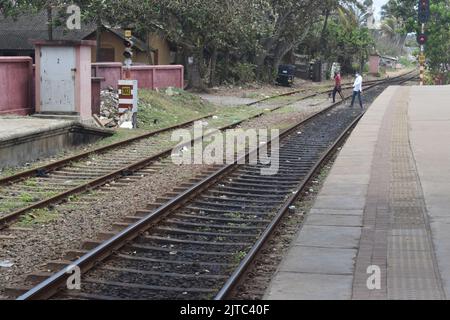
[[337, 86]]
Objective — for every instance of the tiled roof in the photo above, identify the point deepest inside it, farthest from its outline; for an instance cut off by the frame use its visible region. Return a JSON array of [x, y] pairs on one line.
[[15, 34]]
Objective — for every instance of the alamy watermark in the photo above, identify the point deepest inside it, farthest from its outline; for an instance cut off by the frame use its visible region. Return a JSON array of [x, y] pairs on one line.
[[73, 22], [211, 146], [374, 280], [74, 280]]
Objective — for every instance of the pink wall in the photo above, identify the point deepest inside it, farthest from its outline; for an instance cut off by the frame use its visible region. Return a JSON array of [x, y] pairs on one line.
[[163, 76], [85, 82], [17, 81], [95, 94], [111, 71], [374, 64], [16, 74]]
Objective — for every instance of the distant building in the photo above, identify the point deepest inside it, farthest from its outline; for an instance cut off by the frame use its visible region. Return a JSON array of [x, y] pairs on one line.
[[388, 62], [370, 21], [15, 36]]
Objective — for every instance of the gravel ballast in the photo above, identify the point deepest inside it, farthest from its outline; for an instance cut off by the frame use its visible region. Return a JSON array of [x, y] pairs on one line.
[[30, 248]]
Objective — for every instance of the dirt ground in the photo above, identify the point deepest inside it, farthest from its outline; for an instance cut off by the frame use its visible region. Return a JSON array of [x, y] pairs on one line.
[[255, 91]]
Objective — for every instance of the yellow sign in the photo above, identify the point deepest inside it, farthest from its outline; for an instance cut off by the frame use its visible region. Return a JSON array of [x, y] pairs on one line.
[[126, 91], [128, 33], [421, 58]]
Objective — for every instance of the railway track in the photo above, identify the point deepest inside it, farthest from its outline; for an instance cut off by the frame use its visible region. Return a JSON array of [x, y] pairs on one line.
[[199, 243], [124, 161], [128, 160], [311, 92]]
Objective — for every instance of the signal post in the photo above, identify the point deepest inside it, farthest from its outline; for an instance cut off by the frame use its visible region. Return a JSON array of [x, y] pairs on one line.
[[128, 89], [424, 15]]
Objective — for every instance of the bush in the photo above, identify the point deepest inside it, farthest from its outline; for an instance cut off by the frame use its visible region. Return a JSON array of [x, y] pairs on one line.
[[366, 68], [243, 72], [405, 62]]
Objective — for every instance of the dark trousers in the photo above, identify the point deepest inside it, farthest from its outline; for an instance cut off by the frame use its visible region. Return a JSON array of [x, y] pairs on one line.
[[356, 93], [335, 90]]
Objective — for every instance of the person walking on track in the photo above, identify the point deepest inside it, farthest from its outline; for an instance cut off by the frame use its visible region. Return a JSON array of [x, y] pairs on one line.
[[357, 90], [337, 86]]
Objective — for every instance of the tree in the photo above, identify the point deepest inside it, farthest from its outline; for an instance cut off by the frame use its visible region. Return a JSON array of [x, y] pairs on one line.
[[437, 48], [287, 24]]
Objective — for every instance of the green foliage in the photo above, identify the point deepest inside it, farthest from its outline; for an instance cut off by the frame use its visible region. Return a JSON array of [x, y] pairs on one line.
[[243, 72], [38, 216], [437, 48], [158, 110], [26, 197], [351, 46], [405, 61]]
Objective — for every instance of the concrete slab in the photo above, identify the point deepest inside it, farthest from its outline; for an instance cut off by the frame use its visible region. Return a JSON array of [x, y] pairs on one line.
[[25, 139], [349, 178], [429, 119], [361, 218], [329, 236], [340, 202], [344, 189], [319, 260], [13, 127], [334, 220], [356, 212], [306, 286]]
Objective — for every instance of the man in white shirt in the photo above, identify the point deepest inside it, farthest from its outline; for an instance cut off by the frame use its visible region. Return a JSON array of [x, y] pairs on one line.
[[357, 90]]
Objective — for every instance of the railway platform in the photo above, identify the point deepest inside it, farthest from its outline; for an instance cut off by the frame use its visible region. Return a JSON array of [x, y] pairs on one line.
[[26, 139], [380, 226]]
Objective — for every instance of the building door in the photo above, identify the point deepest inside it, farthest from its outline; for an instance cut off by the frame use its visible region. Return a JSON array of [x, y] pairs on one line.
[[58, 79]]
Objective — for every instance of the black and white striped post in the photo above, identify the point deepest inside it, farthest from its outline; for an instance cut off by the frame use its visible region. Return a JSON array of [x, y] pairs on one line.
[[424, 15]]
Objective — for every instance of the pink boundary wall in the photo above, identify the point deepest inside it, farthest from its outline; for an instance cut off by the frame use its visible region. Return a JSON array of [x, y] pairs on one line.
[[153, 77], [374, 64], [149, 77], [16, 76], [17, 81], [110, 71]]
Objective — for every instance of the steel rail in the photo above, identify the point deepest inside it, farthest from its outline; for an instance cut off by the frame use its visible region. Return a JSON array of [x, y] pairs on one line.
[[254, 251], [348, 86], [63, 162], [250, 257], [121, 172], [50, 286]]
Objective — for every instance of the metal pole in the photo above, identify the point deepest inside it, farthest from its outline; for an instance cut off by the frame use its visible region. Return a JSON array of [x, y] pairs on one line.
[[422, 63]]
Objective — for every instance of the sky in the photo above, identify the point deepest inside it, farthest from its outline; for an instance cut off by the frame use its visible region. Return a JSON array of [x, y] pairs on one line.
[[378, 4]]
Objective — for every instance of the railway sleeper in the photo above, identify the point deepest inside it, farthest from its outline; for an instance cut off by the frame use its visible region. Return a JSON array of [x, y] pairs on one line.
[[202, 245], [196, 217]]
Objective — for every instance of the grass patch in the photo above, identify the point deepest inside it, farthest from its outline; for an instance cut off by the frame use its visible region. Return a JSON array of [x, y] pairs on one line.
[[26, 197], [158, 110], [31, 182], [8, 205], [38, 216], [238, 256]]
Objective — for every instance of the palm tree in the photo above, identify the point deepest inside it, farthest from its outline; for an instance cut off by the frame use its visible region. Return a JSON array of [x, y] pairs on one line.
[[391, 30]]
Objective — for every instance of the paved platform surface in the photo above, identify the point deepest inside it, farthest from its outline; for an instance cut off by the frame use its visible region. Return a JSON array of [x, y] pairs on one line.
[[380, 227], [15, 126]]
